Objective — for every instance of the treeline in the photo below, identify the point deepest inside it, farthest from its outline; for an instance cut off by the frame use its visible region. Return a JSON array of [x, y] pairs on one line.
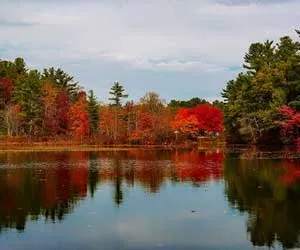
[[50, 104], [262, 104]]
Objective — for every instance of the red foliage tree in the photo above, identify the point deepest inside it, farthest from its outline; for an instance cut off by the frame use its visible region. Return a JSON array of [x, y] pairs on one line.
[[210, 119], [79, 123], [186, 123], [62, 107], [6, 86], [201, 119], [143, 132], [290, 125]]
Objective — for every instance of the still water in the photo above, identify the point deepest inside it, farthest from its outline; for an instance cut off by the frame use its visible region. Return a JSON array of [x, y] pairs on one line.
[[145, 199]]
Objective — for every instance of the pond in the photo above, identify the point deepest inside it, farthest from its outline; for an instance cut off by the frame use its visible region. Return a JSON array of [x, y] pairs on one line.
[[147, 199]]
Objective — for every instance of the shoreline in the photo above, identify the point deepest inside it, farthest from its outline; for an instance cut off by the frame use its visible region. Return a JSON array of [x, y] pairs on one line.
[[243, 153], [85, 147]]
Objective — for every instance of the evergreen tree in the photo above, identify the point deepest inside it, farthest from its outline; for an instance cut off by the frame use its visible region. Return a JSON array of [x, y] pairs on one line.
[[62, 80], [253, 99], [93, 109], [117, 92], [27, 94]]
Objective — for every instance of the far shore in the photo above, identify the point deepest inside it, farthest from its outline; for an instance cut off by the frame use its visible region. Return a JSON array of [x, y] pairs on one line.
[[19, 144], [83, 147]]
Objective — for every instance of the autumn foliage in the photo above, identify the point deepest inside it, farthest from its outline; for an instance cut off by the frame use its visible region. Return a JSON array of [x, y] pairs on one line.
[[79, 123], [290, 124], [6, 86], [49, 106], [200, 120]]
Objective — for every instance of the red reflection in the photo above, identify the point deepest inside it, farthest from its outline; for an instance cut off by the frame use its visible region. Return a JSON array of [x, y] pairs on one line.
[[32, 190], [201, 167], [291, 172]]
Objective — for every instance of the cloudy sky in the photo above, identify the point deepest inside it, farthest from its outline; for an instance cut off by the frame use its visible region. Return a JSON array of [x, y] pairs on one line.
[[178, 48]]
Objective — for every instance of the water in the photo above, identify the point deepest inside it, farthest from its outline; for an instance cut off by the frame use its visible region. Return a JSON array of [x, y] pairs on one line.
[[145, 199]]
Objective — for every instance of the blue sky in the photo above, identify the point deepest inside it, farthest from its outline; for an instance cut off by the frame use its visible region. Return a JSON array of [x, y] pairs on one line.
[[178, 48]]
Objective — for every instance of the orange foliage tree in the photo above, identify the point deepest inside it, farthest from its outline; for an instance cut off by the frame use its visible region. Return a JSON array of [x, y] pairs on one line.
[[185, 123], [106, 122], [143, 128], [79, 123], [49, 97], [13, 119]]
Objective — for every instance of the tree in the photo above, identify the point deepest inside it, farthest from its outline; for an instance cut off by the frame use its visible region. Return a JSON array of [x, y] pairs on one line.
[[63, 105], [186, 124], [193, 102], [143, 132], [13, 69], [210, 119], [62, 80], [290, 124], [106, 123], [6, 85], [20, 66], [79, 123], [50, 122], [202, 119], [218, 104], [27, 94], [117, 92], [93, 109], [253, 98], [152, 103], [259, 55], [13, 119]]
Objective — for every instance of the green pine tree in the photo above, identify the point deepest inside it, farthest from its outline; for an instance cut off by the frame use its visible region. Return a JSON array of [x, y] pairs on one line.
[[93, 109], [27, 93]]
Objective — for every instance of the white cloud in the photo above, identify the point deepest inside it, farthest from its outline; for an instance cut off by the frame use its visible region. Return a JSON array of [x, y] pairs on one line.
[[200, 36]]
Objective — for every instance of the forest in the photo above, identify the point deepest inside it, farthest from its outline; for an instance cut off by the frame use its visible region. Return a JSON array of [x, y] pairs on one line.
[[260, 106], [50, 105]]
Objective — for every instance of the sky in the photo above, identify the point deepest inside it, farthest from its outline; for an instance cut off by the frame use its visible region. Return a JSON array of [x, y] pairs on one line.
[[177, 48]]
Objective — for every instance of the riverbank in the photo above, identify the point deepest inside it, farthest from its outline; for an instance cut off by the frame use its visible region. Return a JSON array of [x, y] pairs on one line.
[[60, 144], [37, 146], [236, 151]]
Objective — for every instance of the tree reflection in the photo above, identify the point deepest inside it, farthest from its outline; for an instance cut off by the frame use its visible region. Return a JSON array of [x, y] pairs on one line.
[[269, 191], [199, 166], [36, 184], [50, 185]]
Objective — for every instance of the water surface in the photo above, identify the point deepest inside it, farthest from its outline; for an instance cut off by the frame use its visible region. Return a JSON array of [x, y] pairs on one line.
[[147, 199]]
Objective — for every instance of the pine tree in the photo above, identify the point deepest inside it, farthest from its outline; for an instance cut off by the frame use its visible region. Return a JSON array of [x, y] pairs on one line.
[[93, 109], [27, 94], [117, 92]]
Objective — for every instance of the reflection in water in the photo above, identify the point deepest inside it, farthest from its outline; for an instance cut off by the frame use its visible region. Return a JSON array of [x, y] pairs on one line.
[[40, 184], [269, 192], [51, 184]]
